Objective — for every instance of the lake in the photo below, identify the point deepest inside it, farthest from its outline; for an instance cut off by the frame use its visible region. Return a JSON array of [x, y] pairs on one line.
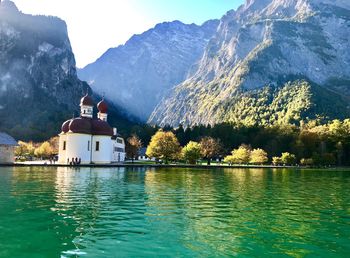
[[145, 212]]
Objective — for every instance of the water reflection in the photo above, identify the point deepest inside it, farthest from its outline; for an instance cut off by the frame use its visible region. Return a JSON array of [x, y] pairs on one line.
[[173, 212]]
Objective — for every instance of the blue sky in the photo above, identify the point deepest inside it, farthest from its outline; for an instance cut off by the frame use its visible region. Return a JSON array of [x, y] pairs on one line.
[[96, 25], [188, 11]]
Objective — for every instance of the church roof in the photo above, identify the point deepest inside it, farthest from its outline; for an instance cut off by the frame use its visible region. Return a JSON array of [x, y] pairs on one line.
[[102, 106], [6, 139], [87, 125], [86, 101], [100, 127]]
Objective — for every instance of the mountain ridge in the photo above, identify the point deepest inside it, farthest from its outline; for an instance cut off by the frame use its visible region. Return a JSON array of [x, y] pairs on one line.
[[263, 43], [136, 75]]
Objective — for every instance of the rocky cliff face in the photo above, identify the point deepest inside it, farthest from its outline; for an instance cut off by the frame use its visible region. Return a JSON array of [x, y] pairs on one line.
[[136, 75], [266, 43], [39, 87]]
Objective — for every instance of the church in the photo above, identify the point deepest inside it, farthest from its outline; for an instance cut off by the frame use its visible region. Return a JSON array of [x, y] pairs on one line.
[[89, 140]]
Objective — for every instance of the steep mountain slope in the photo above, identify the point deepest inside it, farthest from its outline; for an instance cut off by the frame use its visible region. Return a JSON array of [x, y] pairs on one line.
[[136, 75], [267, 43], [39, 87]]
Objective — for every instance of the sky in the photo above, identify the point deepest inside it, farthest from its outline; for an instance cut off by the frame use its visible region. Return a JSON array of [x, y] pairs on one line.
[[97, 25]]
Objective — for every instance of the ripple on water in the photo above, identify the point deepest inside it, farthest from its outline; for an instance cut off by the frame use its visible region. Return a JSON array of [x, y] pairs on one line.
[[174, 212]]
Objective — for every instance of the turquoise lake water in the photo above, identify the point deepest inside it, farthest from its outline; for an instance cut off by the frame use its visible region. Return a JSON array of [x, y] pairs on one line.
[[129, 212]]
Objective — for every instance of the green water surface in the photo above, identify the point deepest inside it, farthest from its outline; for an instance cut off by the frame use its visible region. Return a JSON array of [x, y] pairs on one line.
[[129, 212]]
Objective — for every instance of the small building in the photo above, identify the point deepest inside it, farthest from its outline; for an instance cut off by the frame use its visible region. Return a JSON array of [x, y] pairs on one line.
[[118, 147], [7, 148], [142, 155], [89, 140]]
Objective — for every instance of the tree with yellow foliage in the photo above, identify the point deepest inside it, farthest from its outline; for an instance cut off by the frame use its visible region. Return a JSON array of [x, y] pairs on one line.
[[54, 143], [230, 160], [164, 145], [45, 150], [25, 149], [258, 156], [241, 155], [191, 152], [21, 149]]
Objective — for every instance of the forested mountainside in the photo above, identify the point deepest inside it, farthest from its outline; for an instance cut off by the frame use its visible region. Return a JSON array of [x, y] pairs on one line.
[[137, 75], [39, 87], [252, 68]]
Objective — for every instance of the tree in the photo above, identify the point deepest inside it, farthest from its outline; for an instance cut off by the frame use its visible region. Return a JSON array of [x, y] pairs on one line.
[[54, 143], [210, 148], [164, 145], [241, 155], [277, 161], [133, 145], [191, 152], [30, 148], [288, 158], [329, 159], [44, 150], [25, 149], [21, 149], [230, 160], [180, 135], [307, 162], [326, 159], [258, 156]]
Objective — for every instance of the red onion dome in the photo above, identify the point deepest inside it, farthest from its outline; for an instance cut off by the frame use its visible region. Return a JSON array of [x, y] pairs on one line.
[[80, 125], [100, 127], [65, 126], [86, 101], [102, 106]]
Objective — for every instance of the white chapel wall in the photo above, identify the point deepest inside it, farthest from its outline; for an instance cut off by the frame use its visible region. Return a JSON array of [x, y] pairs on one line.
[[104, 154], [77, 147]]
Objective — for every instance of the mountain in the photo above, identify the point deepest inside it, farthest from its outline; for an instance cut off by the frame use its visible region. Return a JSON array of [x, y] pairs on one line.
[[136, 75], [39, 87], [270, 61]]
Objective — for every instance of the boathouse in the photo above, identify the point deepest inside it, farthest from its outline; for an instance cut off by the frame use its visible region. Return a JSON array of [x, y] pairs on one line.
[[7, 148]]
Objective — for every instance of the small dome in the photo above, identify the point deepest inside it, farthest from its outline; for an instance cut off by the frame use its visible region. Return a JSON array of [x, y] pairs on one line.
[[80, 125], [65, 126], [102, 106], [86, 101], [100, 127]]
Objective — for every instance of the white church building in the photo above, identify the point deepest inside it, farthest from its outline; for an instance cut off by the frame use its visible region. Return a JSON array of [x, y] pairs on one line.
[[90, 140]]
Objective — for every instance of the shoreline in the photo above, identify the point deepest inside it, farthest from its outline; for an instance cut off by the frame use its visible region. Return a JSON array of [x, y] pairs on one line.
[[135, 165]]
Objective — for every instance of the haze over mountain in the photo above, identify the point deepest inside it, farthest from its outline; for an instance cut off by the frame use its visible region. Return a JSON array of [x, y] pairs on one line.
[[39, 87], [136, 75], [257, 49]]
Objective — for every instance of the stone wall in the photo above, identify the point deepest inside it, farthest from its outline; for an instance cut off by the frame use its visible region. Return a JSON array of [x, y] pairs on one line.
[[7, 154]]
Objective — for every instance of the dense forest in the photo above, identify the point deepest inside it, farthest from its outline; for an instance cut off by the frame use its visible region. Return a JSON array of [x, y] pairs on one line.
[[322, 142]]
